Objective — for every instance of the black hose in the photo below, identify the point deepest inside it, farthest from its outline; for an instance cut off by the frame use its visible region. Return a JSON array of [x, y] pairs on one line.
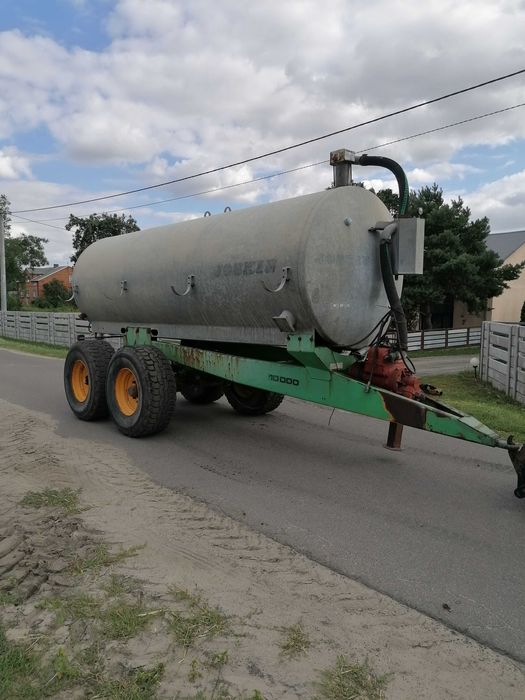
[[384, 247], [393, 296], [398, 173]]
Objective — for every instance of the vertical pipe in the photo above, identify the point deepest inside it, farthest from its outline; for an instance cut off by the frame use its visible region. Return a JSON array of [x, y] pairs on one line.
[[342, 174], [341, 161]]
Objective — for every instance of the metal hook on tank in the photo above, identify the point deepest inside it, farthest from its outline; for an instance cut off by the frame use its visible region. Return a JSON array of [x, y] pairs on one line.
[[74, 289], [227, 209], [207, 213], [284, 279], [190, 283]]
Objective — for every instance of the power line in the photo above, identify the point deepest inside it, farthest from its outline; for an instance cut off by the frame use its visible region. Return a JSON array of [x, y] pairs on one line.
[[285, 148], [442, 128], [34, 221], [193, 194], [291, 170]]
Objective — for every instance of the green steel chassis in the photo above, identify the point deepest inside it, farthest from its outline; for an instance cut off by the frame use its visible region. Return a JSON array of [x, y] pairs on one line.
[[312, 372]]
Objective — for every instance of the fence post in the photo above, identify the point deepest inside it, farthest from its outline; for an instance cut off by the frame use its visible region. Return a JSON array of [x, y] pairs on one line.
[[509, 365], [482, 352], [72, 331], [468, 336], [422, 340], [513, 360], [446, 337]]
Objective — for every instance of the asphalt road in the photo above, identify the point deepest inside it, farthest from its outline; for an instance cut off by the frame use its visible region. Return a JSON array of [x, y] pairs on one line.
[[433, 525], [427, 366]]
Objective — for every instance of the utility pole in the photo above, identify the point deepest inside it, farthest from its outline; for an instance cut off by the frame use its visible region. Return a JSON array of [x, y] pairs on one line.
[[3, 282]]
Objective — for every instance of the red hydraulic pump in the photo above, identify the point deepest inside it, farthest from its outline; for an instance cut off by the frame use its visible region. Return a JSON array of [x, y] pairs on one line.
[[384, 367]]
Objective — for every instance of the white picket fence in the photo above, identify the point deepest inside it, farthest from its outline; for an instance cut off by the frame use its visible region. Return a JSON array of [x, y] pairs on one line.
[[446, 338], [56, 329], [63, 329], [503, 357]]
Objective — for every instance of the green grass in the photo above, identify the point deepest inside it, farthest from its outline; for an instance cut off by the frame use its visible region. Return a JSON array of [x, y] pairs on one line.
[[200, 621], [219, 659], [295, 641], [23, 675], [194, 673], [100, 557], [118, 584], [33, 348], [472, 350], [139, 684], [64, 669], [121, 620], [488, 405], [16, 666], [347, 681], [125, 620], [72, 608], [9, 598], [66, 499]]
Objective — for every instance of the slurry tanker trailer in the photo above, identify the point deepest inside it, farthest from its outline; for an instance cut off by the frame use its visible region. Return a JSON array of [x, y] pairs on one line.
[[292, 298]]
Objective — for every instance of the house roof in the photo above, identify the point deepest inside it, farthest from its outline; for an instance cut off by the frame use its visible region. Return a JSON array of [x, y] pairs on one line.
[[41, 272], [504, 244]]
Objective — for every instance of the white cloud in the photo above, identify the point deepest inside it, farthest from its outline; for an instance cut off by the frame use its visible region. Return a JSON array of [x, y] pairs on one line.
[[186, 78], [503, 201], [437, 172], [182, 87], [13, 165]]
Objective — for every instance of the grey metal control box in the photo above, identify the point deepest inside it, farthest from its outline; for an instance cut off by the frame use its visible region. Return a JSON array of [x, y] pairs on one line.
[[408, 243]]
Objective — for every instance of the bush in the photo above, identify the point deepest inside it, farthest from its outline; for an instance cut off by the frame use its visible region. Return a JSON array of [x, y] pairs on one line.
[[13, 303], [41, 303], [55, 293]]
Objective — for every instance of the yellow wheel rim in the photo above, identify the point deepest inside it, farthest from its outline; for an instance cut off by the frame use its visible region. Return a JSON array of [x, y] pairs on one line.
[[80, 381], [126, 391]]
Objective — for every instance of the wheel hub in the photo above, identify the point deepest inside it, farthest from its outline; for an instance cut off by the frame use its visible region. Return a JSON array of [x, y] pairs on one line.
[[80, 381], [126, 391]]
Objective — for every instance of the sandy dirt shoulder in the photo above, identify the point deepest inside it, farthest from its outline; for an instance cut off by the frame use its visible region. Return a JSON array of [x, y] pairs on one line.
[[260, 585]]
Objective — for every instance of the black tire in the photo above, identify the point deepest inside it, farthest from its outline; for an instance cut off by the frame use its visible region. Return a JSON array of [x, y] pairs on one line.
[[140, 390], [249, 401], [200, 388], [85, 371]]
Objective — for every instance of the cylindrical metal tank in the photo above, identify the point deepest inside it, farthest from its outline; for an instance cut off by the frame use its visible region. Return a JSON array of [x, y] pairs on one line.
[[214, 278]]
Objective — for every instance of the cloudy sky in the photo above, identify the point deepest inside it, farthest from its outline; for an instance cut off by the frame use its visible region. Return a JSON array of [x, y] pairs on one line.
[[99, 97]]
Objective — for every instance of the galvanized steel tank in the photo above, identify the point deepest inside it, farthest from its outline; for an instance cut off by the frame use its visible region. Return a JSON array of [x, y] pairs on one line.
[[229, 265]]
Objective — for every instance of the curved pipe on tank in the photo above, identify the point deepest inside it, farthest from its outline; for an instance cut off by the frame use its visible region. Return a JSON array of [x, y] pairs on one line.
[[386, 242], [396, 170]]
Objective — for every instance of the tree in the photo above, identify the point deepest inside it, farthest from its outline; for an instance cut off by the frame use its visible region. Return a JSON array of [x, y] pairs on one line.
[[56, 293], [390, 200], [458, 266], [89, 229], [21, 252]]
